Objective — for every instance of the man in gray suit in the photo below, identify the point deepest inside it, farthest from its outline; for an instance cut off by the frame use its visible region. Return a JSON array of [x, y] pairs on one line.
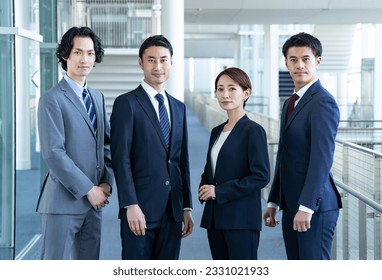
[[74, 135]]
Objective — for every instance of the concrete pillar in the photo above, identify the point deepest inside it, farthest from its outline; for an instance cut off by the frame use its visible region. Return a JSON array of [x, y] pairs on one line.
[[173, 30], [80, 14], [378, 73], [22, 87], [271, 70], [156, 20]]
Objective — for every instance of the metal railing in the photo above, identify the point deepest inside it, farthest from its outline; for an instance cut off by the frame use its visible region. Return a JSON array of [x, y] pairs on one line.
[[364, 133], [357, 172]]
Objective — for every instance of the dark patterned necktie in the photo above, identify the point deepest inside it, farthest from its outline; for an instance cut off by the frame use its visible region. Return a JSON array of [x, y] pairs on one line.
[[163, 118], [90, 108]]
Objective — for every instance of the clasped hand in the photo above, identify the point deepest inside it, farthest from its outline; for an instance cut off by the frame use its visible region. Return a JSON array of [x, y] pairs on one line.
[[98, 196], [207, 192]]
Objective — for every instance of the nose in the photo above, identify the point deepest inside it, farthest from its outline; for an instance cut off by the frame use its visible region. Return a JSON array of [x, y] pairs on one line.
[[158, 65], [84, 58], [224, 93], [300, 64]]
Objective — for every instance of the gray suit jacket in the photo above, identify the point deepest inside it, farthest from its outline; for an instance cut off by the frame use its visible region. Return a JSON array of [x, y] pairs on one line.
[[76, 156]]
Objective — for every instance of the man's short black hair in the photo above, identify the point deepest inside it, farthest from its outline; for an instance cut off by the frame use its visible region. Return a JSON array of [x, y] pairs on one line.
[[155, 40], [303, 39]]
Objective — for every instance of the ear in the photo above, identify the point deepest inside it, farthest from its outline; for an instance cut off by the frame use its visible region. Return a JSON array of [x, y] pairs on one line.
[[247, 93], [318, 61], [140, 63]]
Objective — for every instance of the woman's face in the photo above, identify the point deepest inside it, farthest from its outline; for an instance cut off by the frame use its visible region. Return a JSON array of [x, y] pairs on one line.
[[230, 94]]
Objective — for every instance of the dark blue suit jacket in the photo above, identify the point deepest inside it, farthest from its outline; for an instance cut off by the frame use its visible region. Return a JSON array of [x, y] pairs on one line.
[[242, 170], [146, 172], [305, 154]]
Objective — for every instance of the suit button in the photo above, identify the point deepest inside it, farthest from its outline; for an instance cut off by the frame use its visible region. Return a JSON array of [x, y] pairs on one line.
[[167, 183], [169, 161]]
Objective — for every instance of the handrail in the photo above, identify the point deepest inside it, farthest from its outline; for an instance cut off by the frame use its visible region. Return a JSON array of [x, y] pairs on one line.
[[360, 196], [360, 148]]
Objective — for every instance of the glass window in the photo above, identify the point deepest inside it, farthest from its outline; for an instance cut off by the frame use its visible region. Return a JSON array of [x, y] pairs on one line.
[[7, 148]]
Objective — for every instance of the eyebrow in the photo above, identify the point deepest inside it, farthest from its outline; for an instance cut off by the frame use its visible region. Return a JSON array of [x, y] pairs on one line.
[[293, 56], [150, 56], [78, 49], [230, 85]]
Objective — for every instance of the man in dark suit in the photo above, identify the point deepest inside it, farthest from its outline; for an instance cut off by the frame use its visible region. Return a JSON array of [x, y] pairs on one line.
[[303, 186], [150, 161], [76, 148]]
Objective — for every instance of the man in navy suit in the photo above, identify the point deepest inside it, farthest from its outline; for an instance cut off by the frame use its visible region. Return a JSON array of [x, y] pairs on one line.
[[303, 186], [151, 165]]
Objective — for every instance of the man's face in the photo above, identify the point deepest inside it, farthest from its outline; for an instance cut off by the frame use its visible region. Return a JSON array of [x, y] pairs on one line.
[[81, 59], [302, 65], [156, 63]]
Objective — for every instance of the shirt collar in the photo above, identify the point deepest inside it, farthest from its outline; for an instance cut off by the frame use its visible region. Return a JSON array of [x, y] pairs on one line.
[[151, 91], [75, 86], [302, 90]]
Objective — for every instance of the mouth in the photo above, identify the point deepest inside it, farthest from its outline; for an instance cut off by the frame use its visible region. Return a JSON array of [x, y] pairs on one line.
[[225, 102]]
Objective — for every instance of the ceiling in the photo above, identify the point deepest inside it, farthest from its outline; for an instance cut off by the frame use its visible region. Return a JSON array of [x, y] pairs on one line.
[[231, 12]]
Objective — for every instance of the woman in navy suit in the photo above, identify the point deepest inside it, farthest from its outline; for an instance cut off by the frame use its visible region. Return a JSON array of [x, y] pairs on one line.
[[236, 170]]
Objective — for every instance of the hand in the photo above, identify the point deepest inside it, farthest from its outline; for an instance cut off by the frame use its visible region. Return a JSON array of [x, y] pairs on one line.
[[188, 223], [301, 221], [269, 217], [97, 197], [136, 219], [207, 192], [106, 189]]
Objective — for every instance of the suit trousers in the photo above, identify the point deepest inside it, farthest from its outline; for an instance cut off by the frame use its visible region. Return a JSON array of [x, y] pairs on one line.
[[161, 240], [71, 237], [315, 243], [237, 244]]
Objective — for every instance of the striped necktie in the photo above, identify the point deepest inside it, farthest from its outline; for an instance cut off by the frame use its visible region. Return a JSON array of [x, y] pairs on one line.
[[163, 118], [90, 108]]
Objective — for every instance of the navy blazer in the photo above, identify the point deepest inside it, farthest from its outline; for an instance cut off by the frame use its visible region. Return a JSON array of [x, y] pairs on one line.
[[305, 154], [242, 170], [146, 172]]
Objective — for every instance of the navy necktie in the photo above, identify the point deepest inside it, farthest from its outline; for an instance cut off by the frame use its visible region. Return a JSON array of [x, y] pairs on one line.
[[163, 118], [291, 104], [89, 108]]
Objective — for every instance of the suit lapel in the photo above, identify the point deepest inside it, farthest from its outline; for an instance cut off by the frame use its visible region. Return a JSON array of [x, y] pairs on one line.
[[300, 105], [148, 108], [71, 95], [176, 120], [234, 134]]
